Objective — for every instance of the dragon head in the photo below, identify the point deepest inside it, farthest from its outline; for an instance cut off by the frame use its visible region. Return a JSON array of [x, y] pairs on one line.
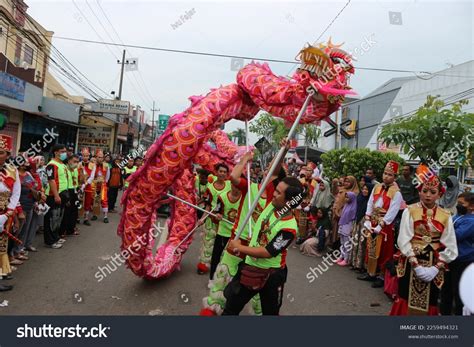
[[327, 68]]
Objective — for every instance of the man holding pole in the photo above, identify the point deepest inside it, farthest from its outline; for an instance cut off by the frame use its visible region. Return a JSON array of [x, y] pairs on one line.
[[227, 268], [220, 187], [264, 271]]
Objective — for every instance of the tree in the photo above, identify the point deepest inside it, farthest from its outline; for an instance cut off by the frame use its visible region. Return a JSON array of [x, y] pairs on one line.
[[435, 134], [274, 130], [239, 134], [354, 162]]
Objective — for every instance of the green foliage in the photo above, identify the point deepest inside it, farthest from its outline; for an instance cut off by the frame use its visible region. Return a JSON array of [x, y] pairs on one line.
[[238, 134], [354, 162], [433, 132], [274, 130]]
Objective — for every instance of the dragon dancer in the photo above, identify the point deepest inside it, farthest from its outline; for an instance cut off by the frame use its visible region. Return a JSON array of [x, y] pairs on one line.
[[214, 304], [214, 190]]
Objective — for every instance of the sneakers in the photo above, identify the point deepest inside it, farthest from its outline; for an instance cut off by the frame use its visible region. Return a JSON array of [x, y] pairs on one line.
[[94, 218], [86, 222], [32, 249], [55, 245], [61, 241], [106, 220]]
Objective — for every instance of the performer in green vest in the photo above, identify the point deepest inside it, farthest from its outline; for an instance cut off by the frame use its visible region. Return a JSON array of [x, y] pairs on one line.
[[227, 268], [57, 196], [264, 271], [71, 212], [229, 208], [127, 171], [219, 187]]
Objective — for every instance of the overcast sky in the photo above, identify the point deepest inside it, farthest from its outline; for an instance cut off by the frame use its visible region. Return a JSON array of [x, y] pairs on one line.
[[431, 36]]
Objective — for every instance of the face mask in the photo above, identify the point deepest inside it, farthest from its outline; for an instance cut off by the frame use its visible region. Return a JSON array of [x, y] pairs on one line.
[[73, 166], [462, 210], [63, 156]]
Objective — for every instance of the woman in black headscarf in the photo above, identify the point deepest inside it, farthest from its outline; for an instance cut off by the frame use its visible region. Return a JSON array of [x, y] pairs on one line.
[[359, 240]]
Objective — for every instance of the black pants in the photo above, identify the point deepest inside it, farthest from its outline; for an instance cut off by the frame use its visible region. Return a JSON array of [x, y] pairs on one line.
[[219, 246], [71, 214], [271, 295], [51, 236], [450, 289], [112, 197]]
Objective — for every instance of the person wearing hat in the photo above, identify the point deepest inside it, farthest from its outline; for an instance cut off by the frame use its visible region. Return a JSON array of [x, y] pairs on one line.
[[10, 189], [102, 175], [427, 243], [382, 209]]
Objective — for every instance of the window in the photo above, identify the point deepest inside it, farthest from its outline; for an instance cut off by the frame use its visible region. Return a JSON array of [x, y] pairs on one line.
[[28, 57], [18, 50]]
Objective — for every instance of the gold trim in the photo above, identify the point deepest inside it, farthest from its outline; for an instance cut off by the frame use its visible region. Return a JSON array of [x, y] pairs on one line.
[[419, 291]]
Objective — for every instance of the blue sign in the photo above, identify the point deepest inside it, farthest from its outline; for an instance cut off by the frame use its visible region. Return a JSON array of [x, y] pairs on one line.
[[12, 87]]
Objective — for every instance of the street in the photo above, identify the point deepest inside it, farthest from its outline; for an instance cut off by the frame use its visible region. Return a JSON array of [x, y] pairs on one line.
[[62, 282]]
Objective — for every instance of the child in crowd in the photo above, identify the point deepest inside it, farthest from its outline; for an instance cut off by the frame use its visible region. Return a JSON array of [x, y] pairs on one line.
[[345, 227]]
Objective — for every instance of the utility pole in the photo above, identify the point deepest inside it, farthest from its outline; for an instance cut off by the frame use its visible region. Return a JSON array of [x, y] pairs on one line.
[[139, 124], [120, 96], [121, 75], [153, 135]]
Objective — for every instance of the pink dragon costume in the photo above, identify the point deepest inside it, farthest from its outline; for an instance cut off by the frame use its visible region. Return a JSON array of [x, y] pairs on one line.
[[168, 163]]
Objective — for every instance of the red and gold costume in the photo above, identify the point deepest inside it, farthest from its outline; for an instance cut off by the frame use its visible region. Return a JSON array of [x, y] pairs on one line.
[[10, 188], [88, 170], [382, 209], [427, 239], [102, 173]]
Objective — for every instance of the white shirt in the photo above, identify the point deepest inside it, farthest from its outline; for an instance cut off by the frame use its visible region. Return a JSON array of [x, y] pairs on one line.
[[407, 231], [15, 197], [392, 212]]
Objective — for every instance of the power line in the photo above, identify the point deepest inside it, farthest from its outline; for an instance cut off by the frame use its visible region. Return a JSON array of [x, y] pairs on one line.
[[102, 40], [120, 40], [220, 55], [329, 25], [334, 19]]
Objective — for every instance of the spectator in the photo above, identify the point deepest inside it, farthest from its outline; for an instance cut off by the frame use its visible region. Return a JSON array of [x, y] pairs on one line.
[[407, 188], [320, 227], [322, 198], [359, 240], [464, 228], [449, 199], [114, 184], [346, 222], [371, 174]]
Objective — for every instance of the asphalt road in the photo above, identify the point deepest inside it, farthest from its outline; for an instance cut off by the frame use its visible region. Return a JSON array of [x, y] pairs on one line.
[[63, 282]]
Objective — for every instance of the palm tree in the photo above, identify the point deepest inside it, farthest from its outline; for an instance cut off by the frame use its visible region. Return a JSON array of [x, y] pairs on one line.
[[239, 134]]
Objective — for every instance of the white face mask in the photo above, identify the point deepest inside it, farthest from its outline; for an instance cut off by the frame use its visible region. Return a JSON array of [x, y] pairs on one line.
[[73, 166]]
